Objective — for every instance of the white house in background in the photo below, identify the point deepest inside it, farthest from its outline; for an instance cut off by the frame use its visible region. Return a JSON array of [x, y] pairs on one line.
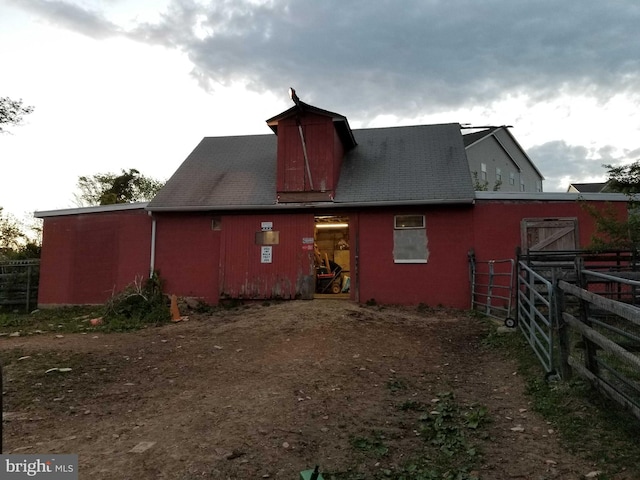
[[497, 160]]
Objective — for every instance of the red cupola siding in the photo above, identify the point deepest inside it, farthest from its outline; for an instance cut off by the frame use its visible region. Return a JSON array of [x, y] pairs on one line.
[[311, 145]]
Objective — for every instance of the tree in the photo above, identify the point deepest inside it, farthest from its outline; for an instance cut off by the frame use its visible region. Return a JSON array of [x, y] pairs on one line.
[[111, 188], [12, 111], [483, 185], [625, 178], [15, 242], [613, 232]]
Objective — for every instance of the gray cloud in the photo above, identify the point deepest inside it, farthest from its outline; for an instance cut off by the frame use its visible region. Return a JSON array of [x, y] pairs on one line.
[[71, 16], [380, 57], [365, 58], [558, 161]]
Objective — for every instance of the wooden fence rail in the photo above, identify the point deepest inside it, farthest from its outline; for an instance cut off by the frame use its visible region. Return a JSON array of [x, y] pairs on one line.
[[589, 319], [601, 342]]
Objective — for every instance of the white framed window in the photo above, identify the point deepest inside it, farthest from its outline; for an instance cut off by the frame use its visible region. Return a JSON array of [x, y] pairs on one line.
[[522, 187], [512, 178], [410, 244], [498, 175], [538, 185], [483, 171]]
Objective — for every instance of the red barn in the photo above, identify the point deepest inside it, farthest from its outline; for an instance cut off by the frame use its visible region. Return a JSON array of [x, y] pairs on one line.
[[317, 209]]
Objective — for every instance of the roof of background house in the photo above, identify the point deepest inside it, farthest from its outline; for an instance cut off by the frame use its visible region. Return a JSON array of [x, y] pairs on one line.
[[406, 165], [470, 138], [588, 187]]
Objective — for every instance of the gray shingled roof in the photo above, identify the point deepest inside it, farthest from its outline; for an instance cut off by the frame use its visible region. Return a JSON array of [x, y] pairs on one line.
[[417, 164], [223, 172]]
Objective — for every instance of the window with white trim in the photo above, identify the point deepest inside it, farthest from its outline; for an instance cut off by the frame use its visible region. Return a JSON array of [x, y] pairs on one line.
[[498, 175], [483, 171], [512, 178], [410, 244]]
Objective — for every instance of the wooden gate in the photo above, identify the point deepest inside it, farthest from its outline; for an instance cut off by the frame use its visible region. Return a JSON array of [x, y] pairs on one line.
[[540, 234]]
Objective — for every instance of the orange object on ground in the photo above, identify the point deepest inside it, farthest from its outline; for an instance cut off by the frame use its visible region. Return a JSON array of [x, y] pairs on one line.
[[175, 312]]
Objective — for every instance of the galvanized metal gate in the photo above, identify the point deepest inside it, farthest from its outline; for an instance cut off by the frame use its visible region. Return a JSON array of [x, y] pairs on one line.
[[535, 313], [492, 287], [19, 283]]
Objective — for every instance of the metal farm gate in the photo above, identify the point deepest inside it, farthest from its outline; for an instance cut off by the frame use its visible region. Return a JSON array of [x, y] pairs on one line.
[[19, 283], [492, 287], [535, 304]]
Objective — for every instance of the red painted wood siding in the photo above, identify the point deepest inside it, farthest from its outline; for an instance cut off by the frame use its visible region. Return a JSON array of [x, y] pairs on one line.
[[85, 258], [188, 255], [320, 138], [441, 281], [497, 223], [244, 276]]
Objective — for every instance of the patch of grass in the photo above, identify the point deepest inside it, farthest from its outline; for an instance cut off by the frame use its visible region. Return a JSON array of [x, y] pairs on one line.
[[412, 405], [447, 450], [63, 320], [397, 385], [139, 305], [588, 424], [372, 445]]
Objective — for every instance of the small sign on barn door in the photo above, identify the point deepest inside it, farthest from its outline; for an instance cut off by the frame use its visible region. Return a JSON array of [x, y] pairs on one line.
[[540, 234]]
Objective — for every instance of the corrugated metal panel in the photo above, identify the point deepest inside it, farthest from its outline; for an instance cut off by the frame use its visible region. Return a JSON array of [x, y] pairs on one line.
[[243, 273]]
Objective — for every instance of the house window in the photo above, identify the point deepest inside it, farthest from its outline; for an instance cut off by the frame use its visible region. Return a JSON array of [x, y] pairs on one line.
[[512, 178], [538, 185], [483, 171], [498, 175], [410, 239], [522, 187]]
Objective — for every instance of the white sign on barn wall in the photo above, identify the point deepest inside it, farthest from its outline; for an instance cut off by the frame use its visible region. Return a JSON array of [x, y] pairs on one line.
[[266, 254]]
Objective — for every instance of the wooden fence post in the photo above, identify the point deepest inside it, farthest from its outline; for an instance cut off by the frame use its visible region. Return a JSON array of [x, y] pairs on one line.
[[590, 360], [561, 325]]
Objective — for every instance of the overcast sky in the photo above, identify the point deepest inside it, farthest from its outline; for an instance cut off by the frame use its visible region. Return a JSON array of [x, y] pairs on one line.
[[119, 84]]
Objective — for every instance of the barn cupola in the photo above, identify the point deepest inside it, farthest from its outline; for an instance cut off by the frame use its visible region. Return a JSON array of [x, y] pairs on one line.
[[311, 145]]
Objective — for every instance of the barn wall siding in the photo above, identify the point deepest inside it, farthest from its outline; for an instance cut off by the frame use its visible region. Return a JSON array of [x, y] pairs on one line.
[[86, 258], [497, 224], [188, 255], [441, 281], [243, 275]]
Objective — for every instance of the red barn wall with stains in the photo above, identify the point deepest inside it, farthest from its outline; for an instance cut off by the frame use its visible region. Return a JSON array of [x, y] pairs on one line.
[[243, 273], [87, 257], [187, 254]]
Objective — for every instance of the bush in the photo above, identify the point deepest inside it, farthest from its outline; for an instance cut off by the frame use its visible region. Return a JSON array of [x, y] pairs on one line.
[[141, 303]]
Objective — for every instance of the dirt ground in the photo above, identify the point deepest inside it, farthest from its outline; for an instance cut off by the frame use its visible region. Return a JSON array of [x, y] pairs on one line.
[[268, 391]]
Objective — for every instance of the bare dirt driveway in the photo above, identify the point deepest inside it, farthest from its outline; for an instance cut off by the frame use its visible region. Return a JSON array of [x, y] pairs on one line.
[[266, 391]]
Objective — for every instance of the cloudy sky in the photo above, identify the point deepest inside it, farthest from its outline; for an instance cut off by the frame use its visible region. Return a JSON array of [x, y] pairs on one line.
[[119, 84]]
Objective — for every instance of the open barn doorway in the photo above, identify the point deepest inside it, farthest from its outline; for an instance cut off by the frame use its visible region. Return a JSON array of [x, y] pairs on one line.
[[332, 255]]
